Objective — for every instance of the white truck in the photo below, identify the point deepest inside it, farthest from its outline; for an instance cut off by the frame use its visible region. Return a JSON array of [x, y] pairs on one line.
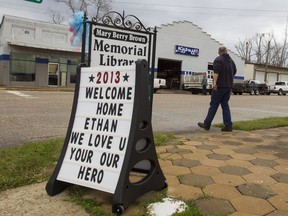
[[280, 88], [159, 84], [192, 81]]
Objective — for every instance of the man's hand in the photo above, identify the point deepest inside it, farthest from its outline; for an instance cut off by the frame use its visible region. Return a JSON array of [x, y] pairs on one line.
[[215, 78]]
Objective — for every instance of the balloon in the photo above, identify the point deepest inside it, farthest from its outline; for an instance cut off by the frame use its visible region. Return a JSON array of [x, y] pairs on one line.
[[76, 27]]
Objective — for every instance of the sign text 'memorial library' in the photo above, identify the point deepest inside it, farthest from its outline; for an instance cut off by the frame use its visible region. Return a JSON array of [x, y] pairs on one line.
[[115, 48]]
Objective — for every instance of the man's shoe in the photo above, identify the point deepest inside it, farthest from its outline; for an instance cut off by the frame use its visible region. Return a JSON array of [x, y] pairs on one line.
[[201, 125], [227, 129]]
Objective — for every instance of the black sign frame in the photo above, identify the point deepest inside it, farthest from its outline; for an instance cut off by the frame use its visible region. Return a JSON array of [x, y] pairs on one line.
[[126, 192]]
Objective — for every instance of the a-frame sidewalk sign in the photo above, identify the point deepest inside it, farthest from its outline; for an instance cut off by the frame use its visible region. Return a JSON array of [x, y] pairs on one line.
[[109, 145]]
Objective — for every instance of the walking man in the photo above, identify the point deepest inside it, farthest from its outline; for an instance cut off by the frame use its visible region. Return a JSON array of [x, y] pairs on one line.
[[224, 71]]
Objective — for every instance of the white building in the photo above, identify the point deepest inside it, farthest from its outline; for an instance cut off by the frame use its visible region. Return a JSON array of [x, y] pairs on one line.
[[174, 64], [39, 54], [265, 74], [36, 53]]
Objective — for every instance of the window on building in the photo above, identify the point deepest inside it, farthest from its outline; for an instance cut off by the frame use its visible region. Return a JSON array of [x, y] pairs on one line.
[[22, 67], [210, 71]]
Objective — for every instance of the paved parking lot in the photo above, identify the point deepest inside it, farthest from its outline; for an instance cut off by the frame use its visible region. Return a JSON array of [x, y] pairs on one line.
[[182, 112], [37, 115]]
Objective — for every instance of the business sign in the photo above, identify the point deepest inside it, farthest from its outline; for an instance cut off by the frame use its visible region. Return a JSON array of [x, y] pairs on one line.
[[186, 50], [117, 47], [98, 140]]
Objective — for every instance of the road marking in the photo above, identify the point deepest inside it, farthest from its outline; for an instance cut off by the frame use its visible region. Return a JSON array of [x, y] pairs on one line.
[[20, 94]]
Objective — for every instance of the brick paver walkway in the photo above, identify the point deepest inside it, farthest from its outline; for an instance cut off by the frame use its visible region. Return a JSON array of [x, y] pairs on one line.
[[238, 173]]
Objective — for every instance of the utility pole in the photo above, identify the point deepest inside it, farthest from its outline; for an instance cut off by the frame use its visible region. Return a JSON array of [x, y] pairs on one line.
[[266, 64], [246, 54], [99, 4], [259, 48]]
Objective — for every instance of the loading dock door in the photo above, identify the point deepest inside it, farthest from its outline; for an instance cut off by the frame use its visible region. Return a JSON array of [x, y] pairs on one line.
[[283, 77], [260, 76], [272, 78], [170, 70]]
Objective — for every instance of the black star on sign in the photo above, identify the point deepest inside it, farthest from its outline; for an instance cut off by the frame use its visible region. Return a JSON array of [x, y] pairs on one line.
[[125, 77], [91, 78]]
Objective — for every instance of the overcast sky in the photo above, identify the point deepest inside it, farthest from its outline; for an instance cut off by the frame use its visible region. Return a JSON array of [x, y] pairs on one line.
[[225, 20]]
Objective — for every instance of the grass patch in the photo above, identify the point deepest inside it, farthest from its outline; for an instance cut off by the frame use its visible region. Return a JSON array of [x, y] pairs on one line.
[[28, 164], [265, 123], [91, 205], [161, 138], [94, 208], [191, 210]]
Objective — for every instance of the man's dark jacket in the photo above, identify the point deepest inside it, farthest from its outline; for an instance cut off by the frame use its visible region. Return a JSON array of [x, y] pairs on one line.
[[225, 67]]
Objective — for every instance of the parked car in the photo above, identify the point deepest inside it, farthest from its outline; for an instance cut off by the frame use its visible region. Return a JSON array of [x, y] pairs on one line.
[[280, 88], [159, 84]]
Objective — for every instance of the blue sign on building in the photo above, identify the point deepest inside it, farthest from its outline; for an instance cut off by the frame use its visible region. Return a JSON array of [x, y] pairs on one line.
[[186, 50]]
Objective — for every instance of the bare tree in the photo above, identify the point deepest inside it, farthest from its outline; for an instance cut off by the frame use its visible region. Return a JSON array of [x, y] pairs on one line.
[[284, 50], [101, 7], [264, 49], [56, 17], [258, 47], [93, 8], [244, 48], [75, 5]]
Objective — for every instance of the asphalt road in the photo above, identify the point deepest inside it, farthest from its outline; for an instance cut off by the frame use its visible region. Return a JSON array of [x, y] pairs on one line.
[[38, 115]]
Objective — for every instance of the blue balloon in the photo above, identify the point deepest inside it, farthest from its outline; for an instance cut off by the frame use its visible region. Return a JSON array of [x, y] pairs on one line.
[[76, 27]]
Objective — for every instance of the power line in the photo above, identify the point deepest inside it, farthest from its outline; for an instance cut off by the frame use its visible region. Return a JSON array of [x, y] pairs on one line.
[[209, 8], [204, 13], [165, 9]]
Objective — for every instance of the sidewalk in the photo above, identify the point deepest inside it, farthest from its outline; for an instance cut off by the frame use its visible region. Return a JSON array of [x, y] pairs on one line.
[[238, 174]]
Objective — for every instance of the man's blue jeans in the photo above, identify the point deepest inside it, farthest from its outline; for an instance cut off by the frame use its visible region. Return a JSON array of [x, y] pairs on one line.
[[221, 96]]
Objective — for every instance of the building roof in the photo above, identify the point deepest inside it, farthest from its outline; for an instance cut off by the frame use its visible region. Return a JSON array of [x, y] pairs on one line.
[[175, 23]]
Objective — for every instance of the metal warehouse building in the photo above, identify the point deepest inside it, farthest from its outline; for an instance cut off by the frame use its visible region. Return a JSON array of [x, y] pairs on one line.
[[34, 53], [183, 49]]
